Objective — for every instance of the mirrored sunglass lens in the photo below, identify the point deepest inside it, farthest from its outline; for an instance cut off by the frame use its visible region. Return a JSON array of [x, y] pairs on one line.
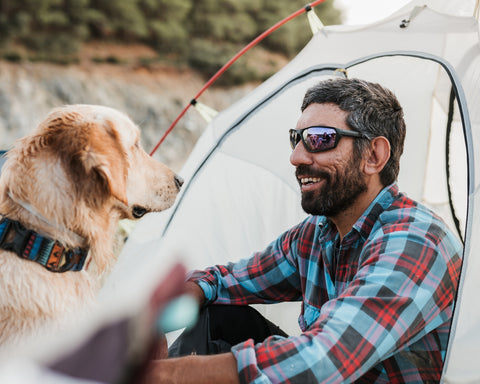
[[319, 138]]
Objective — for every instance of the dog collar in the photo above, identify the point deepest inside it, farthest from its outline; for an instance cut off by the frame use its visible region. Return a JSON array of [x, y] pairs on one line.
[[47, 252]]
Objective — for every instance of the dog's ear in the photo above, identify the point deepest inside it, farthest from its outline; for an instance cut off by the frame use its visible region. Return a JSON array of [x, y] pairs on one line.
[[104, 162], [106, 172], [92, 154]]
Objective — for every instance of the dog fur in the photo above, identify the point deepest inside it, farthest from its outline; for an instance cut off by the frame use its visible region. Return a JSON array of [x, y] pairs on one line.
[[82, 169]]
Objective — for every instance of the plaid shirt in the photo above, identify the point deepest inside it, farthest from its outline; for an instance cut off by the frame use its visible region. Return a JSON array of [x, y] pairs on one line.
[[376, 308]]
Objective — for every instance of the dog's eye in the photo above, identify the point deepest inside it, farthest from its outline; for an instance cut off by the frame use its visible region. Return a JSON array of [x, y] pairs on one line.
[[137, 144]]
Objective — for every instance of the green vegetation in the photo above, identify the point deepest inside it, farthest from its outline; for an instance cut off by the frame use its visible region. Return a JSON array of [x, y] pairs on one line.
[[201, 33]]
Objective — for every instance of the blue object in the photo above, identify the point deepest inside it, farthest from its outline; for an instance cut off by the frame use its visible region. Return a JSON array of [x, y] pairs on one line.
[[2, 159], [181, 312]]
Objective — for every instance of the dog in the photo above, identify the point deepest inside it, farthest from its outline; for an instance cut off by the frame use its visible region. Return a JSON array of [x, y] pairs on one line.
[[63, 190]]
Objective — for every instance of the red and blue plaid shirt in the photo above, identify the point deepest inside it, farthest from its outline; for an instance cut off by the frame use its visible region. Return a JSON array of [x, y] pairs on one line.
[[377, 306]]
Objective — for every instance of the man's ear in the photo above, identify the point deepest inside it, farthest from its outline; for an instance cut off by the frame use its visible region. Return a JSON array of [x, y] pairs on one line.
[[377, 155]]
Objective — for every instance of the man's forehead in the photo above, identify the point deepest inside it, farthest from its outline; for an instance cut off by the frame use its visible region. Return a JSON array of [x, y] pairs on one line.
[[327, 114]]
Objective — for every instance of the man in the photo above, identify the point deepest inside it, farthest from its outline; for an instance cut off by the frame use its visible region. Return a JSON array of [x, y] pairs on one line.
[[377, 272]]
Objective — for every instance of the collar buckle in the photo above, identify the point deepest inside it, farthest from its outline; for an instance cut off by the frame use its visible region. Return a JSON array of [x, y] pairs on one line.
[[63, 260]]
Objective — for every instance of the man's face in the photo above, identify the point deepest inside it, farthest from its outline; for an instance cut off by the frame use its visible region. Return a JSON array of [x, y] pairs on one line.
[[330, 181]]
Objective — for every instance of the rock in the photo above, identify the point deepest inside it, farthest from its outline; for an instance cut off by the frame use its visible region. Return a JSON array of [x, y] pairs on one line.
[[152, 98]]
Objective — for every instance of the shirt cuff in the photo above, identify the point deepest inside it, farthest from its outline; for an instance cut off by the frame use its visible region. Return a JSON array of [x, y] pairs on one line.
[[208, 290], [248, 370]]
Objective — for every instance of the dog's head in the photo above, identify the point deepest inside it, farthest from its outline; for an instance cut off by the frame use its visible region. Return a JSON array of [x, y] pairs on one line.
[[81, 171], [94, 153], [100, 149]]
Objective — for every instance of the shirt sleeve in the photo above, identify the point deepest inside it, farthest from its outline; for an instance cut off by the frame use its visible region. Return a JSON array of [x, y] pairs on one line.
[[404, 289], [267, 277]]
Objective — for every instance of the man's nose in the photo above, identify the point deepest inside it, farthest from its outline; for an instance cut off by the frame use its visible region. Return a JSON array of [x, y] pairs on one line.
[[300, 155]]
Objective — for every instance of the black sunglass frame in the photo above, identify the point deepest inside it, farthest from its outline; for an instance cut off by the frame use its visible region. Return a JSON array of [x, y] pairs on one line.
[[339, 133]]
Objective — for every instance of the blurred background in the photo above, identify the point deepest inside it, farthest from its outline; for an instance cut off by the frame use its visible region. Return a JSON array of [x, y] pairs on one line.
[[147, 58]]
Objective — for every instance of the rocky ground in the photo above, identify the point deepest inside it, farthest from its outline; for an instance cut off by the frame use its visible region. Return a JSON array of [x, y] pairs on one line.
[[152, 95]]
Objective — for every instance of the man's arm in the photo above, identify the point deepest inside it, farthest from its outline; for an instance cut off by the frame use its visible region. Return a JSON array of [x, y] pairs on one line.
[[243, 282], [212, 369], [401, 292], [194, 290]]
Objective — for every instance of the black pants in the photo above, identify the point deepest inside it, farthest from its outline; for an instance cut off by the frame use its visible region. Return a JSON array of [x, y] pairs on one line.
[[219, 327]]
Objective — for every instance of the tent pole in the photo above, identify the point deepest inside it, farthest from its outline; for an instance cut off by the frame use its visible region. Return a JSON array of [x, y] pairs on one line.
[[231, 61]]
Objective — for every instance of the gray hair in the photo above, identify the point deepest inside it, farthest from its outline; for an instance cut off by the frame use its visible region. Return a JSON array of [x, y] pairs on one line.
[[371, 109]]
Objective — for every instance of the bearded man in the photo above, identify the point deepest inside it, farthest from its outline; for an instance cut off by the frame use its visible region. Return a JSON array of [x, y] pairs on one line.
[[376, 272]]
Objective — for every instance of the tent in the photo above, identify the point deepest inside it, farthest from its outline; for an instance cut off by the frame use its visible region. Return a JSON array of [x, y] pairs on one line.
[[240, 191]]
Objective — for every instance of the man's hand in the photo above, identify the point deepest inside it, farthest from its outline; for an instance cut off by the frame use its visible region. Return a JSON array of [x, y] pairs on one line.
[[160, 350], [211, 369]]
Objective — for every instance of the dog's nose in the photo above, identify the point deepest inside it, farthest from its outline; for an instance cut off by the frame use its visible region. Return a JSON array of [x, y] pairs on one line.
[[178, 181]]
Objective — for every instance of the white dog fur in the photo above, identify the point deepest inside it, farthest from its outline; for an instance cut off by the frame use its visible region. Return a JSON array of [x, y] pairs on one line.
[[72, 179]]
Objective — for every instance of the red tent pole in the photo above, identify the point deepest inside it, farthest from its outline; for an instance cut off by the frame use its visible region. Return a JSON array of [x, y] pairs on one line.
[[230, 62]]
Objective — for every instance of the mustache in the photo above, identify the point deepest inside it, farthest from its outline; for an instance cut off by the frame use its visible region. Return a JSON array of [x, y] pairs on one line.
[[307, 171]]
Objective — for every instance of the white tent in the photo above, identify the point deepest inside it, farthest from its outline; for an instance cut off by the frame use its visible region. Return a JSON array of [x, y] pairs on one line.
[[240, 192]]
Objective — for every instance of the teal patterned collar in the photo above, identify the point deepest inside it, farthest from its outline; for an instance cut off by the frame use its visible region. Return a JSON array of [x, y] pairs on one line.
[[49, 253]]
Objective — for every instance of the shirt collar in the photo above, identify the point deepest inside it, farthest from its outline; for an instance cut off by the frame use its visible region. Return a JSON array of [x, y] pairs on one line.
[[366, 222], [383, 200]]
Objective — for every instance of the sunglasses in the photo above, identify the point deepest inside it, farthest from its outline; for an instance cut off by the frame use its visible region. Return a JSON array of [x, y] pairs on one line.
[[319, 139]]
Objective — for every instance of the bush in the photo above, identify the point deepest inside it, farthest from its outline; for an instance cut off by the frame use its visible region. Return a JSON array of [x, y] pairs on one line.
[[54, 44], [14, 57], [207, 56], [203, 33]]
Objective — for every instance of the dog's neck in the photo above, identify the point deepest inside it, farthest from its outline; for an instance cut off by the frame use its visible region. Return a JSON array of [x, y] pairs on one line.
[[39, 247], [57, 227], [51, 254]]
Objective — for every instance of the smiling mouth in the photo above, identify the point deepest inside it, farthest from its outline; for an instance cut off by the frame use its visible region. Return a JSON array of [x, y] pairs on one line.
[[309, 180]]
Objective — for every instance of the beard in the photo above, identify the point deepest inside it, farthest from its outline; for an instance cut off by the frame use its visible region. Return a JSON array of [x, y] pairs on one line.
[[337, 194]]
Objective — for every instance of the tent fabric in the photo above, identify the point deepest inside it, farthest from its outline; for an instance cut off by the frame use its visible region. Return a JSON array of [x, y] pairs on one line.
[[240, 190]]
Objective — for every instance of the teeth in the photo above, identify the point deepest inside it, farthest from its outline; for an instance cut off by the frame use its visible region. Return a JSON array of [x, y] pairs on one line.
[[307, 180]]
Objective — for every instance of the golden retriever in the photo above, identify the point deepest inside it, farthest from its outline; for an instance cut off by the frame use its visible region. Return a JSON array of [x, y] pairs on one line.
[[63, 190]]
